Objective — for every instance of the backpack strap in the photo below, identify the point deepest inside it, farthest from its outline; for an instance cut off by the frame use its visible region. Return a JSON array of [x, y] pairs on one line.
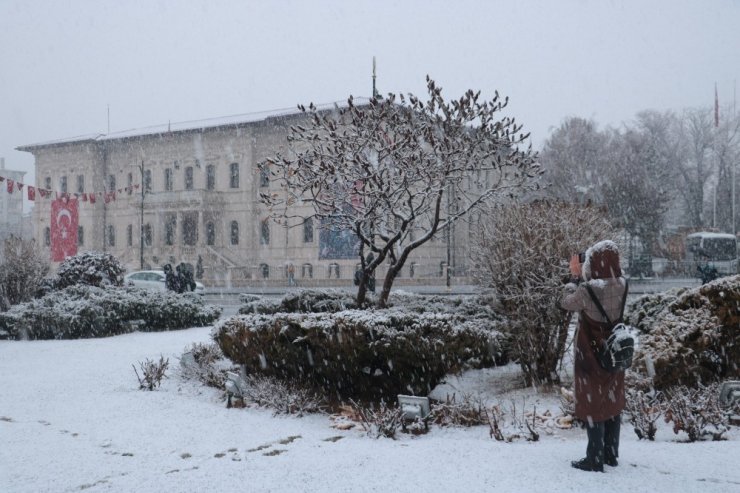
[[601, 308], [598, 304]]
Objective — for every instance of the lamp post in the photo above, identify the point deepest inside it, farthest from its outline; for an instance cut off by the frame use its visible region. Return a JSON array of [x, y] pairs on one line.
[[141, 224]]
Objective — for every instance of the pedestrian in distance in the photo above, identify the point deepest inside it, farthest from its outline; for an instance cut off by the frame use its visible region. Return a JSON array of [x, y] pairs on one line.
[[599, 394]]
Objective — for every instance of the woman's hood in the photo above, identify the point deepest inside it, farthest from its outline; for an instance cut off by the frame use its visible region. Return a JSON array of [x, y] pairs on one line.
[[602, 261]]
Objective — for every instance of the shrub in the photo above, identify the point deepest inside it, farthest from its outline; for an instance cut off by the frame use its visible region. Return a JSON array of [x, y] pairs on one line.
[[468, 411], [697, 412], [521, 251], [383, 422], [204, 362], [92, 268], [152, 373], [301, 301], [690, 335], [21, 273], [88, 311], [283, 397], [644, 409], [359, 353]]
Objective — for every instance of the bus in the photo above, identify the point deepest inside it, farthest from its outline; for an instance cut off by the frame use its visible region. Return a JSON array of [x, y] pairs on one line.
[[713, 250]]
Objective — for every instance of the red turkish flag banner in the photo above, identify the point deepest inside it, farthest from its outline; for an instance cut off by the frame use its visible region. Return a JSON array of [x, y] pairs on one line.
[[31, 193], [10, 185], [64, 221]]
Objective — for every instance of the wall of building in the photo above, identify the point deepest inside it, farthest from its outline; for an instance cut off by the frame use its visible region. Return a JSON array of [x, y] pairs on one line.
[[224, 263]]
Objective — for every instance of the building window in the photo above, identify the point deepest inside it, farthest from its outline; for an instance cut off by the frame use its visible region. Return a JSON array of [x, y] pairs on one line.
[[189, 230], [130, 183], [265, 232], [308, 230], [129, 235], [442, 268], [234, 233], [80, 236], [111, 235], [80, 183], [169, 230], [334, 271], [168, 179], [47, 183], [210, 234], [307, 271], [148, 234], [234, 175], [265, 271], [210, 177], [148, 180], [264, 176], [412, 269], [47, 236], [189, 178], [63, 184], [111, 182]]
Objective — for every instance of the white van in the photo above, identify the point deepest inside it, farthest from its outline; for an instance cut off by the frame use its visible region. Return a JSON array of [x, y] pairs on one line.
[[719, 250]]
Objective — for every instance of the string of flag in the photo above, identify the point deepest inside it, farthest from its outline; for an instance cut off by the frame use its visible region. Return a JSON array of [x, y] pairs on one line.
[[91, 197]]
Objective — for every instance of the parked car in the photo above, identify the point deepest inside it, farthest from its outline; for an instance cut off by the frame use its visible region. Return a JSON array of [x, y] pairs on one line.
[[154, 279]]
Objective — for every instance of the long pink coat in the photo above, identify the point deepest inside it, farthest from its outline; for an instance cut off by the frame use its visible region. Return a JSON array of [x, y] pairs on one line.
[[599, 395]]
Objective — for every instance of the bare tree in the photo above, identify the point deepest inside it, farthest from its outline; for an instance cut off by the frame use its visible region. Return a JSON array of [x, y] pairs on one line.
[[21, 271], [695, 164], [399, 170], [522, 252]]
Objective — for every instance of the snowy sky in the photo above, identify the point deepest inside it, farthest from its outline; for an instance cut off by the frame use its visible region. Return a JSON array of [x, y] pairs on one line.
[[62, 62]]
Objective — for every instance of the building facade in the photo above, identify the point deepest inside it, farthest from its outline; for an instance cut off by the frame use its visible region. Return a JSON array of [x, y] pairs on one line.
[[191, 193], [13, 220]]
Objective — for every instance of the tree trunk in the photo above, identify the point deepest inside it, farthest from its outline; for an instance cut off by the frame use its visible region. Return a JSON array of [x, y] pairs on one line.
[[387, 284]]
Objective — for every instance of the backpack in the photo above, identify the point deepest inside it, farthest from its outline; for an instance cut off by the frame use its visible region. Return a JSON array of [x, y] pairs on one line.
[[615, 352]]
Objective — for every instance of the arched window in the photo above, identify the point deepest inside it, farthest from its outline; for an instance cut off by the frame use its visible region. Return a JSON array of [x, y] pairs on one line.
[[307, 271], [210, 177], [234, 233], [234, 175], [334, 271], [264, 271], [412, 269], [211, 234]]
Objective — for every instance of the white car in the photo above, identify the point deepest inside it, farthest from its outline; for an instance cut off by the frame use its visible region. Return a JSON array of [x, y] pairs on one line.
[[154, 279]]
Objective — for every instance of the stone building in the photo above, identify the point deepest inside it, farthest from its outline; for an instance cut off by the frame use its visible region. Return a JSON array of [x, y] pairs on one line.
[[189, 192], [13, 221]]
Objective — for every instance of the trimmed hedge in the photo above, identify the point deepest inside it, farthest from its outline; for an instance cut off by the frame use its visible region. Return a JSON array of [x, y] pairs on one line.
[[360, 354], [301, 301], [88, 311]]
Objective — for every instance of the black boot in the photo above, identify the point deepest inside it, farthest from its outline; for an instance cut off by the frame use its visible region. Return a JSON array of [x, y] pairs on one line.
[[587, 464], [611, 440], [594, 460]]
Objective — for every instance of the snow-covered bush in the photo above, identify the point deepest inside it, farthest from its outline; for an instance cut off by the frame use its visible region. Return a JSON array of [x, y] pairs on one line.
[[93, 268], [644, 410], [301, 301], [88, 311], [21, 272], [152, 373], [205, 363], [521, 251], [691, 335], [697, 412], [283, 397], [359, 353], [467, 411], [381, 422]]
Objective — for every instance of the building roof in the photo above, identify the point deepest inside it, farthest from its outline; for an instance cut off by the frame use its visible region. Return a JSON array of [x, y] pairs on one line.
[[188, 126]]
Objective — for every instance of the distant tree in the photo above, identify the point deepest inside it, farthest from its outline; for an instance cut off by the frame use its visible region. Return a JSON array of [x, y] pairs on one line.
[[574, 159], [521, 251], [640, 184], [21, 272], [398, 171], [726, 150], [694, 135]]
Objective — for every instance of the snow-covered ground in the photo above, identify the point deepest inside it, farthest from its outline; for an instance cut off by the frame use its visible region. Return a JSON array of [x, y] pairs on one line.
[[72, 419]]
